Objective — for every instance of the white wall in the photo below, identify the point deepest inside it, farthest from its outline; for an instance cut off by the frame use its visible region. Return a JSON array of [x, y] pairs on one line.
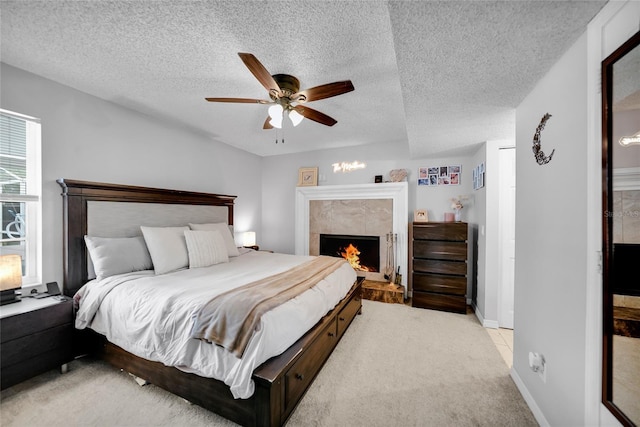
[[551, 230], [558, 293], [280, 177], [89, 139], [477, 294]]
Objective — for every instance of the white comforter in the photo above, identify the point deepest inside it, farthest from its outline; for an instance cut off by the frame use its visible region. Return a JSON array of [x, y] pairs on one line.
[[151, 316]]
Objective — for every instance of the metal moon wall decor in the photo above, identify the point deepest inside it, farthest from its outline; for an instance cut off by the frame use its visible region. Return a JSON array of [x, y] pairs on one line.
[[537, 150]]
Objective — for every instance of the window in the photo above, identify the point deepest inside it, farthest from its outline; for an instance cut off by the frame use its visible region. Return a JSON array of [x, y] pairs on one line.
[[20, 193]]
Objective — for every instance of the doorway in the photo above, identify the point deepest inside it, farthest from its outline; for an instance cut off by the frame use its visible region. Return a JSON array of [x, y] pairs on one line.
[[506, 233]]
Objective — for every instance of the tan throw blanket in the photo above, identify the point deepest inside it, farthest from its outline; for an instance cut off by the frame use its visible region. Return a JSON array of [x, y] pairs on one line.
[[230, 318]]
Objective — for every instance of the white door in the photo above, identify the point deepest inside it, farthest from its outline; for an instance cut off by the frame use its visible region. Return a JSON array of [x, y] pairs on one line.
[[507, 231]]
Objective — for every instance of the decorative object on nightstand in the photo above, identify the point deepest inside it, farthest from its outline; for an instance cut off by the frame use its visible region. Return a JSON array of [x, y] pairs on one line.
[[438, 261], [307, 177], [10, 278], [249, 239], [36, 335]]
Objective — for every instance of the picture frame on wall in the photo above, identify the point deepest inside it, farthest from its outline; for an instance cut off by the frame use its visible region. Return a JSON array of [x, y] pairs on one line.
[[420, 215], [478, 176], [308, 177]]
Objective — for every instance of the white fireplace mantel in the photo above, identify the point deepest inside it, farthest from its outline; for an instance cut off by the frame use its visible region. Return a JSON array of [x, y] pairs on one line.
[[398, 191]]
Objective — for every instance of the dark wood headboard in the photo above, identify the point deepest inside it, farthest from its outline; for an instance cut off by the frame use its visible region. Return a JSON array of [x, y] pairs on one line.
[[76, 194]]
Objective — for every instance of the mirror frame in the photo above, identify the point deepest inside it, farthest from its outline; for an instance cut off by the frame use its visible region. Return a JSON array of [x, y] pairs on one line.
[[607, 227]]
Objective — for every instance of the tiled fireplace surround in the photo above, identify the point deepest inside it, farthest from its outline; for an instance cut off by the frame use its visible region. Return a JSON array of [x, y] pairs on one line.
[[364, 209]]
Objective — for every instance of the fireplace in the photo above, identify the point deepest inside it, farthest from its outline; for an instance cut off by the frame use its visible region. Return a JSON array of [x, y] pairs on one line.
[[355, 209], [362, 252]]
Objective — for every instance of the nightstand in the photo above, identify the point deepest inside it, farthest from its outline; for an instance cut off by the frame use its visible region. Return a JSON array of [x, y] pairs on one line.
[[36, 335]]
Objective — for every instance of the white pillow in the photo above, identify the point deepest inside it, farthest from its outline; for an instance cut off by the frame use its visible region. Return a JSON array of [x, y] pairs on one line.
[[167, 247], [205, 248], [117, 255], [223, 228]]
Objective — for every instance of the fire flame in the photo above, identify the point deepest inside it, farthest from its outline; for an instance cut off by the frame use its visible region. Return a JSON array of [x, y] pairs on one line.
[[351, 255]]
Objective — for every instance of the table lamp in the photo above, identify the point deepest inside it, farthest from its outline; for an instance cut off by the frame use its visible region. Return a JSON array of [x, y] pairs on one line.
[[10, 278]]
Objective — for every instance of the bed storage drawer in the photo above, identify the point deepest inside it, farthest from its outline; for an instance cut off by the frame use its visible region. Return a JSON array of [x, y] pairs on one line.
[[304, 370], [348, 313]]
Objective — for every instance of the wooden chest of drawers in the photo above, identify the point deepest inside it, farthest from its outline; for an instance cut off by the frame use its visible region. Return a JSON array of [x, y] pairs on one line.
[[438, 253]]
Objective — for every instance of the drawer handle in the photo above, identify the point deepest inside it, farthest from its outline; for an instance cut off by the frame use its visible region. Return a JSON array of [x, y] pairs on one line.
[[341, 318], [299, 377], [330, 334]]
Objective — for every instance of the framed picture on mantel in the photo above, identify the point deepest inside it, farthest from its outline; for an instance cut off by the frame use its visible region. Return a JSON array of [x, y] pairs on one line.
[[307, 177]]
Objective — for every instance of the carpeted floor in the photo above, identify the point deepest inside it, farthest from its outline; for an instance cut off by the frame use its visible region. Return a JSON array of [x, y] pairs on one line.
[[395, 366]]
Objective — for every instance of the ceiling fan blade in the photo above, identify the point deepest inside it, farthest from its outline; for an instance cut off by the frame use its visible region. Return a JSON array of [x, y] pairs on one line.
[[261, 73], [240, 100], [324, 91], [267, 125], [315, 115]]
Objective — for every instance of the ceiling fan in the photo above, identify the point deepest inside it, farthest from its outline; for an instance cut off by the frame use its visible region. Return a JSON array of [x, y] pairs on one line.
[[287, 98]]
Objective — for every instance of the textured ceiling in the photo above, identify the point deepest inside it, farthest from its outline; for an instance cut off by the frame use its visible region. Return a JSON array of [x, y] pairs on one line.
[[431, 77]]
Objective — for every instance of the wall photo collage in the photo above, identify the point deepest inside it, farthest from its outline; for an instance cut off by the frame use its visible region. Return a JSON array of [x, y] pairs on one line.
[[439, 175]]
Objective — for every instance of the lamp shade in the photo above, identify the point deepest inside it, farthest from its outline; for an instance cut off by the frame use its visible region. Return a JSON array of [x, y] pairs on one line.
[[10, 272], [275, 112], [249, 238], [295, 117]]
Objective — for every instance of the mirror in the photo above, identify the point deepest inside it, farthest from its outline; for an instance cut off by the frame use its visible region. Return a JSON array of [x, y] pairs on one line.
[[621, 231]]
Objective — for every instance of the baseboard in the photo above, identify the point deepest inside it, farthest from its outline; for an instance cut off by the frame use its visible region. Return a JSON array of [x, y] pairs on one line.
[[493, 324], [537, 413]]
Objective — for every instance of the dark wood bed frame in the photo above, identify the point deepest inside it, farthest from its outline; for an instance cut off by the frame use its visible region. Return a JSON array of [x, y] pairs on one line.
[[280, 382]]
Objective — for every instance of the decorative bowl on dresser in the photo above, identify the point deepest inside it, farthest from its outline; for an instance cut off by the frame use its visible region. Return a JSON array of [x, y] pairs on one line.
[[36, 335], [438, 253]]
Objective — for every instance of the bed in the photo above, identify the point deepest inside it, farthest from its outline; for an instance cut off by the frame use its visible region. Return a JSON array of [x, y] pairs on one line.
[[268, 376]]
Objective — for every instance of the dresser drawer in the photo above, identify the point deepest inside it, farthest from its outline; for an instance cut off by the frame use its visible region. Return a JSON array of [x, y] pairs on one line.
[[458, 268], [453, 303], [25, 324], [58, 339], [454, 285], [304, 370], [441, 231], [437, 249]]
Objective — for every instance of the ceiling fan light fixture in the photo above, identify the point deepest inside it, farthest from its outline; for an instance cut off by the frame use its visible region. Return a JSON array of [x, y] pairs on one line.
[[275, 112], [295, 117], [284, 91]]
